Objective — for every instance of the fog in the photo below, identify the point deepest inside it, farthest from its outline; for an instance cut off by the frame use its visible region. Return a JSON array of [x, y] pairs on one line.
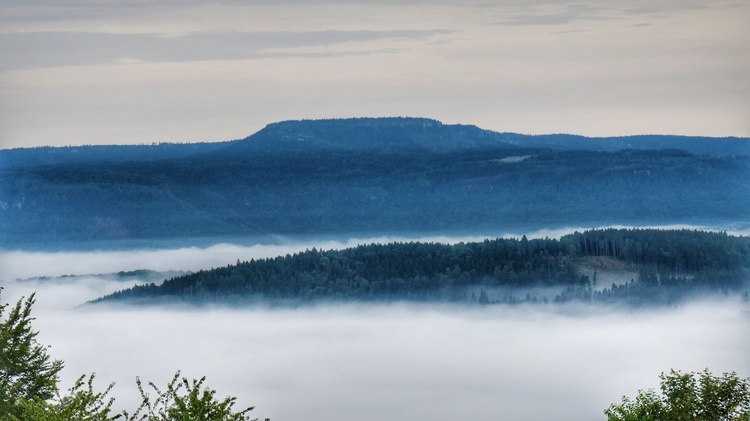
[[15, 264], [22, 264], [396, 362], [369, 362]]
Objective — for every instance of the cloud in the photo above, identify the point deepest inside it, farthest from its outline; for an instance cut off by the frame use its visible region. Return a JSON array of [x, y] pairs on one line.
[[27, 50], [400, 362], [371, 362], [18, 264], [558, 14], [163, 71], [550, 19]]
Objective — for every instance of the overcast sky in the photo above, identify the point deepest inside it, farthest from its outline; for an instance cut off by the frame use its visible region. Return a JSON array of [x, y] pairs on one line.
[[95, 72]]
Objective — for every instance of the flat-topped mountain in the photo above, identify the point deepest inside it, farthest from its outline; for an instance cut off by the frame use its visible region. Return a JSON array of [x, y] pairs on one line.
[[405, 134], [379, 135], [365, 176]]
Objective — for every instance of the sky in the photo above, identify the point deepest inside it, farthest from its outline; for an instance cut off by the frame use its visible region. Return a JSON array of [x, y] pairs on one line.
[[109, 72]]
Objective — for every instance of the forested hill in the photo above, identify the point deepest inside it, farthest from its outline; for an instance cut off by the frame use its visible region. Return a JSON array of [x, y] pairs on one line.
[[361, 177], [380, 135], [669, 264], [397, 134]]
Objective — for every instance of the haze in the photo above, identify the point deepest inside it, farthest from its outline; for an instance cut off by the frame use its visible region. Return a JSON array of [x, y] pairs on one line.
[[93, 73], [374, 362], [18, 264]]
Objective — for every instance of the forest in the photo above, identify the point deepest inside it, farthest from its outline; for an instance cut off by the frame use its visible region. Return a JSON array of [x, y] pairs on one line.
[[670, 265], [364, 177]]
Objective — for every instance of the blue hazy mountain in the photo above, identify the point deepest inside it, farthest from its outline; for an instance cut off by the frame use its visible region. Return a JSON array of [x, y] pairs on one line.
[[365, 176], [382, 135]]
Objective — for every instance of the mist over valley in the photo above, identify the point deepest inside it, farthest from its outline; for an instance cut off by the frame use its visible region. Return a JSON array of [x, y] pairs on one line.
[[608, 261], [398, 361], [345, 360], [368, 210]]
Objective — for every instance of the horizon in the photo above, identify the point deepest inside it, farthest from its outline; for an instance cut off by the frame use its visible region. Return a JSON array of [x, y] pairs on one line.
[[98, 74], [156, 143]]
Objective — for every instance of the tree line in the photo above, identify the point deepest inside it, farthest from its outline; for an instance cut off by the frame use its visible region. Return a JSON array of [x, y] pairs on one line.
[[669, 263]]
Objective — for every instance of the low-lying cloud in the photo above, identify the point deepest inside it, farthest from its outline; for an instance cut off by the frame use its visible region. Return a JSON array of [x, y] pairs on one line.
[[402, 362], [374, 362], [17, 264]]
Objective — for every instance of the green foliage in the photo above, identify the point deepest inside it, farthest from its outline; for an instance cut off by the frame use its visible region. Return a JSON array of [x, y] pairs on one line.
[[195, 403], [81, 403], [182, 400], [28, 386], [685, 397], [26, 370]]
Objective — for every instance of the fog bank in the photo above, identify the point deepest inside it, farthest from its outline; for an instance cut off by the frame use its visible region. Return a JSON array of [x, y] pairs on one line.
[[369, 362], [395, 362], [17, 264]]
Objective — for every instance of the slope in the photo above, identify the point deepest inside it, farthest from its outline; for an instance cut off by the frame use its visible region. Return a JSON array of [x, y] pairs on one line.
[[358, 177]]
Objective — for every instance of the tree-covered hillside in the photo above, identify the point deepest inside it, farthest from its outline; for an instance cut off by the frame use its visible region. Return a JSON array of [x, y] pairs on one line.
[[359, 177], [403, 134], [671, 264]]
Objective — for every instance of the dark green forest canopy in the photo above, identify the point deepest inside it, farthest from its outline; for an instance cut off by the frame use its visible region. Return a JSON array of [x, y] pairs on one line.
[[670, 263]]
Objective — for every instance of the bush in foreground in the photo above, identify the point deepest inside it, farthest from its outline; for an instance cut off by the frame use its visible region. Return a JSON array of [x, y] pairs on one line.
[[686, 397], [29, 385]]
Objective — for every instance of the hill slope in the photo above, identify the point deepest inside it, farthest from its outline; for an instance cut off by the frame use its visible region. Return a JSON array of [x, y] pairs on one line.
[[670, 265], [360, 177]]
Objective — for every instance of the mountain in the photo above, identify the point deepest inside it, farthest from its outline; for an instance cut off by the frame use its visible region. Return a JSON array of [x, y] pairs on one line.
[[367, 176], [380, 135], [97, 154], [401, 134]]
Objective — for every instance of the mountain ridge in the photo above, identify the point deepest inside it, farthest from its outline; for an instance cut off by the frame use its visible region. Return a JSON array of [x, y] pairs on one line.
[[395, 134], [434, 136], [361, 177]]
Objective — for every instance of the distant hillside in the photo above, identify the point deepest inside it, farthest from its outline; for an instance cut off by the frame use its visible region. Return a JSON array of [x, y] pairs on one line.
[[400, 134], [100, 154], [670, 265], [364, 177], [381, 135]]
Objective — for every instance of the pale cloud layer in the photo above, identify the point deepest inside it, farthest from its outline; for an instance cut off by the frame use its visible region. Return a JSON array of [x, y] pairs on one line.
[[104, 72], [18, 264], [394, 362], [369, 362]]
